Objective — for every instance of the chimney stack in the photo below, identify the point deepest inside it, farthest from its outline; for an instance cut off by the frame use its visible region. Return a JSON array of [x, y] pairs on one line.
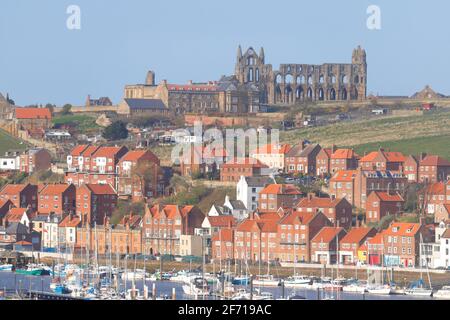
[[310, 196]]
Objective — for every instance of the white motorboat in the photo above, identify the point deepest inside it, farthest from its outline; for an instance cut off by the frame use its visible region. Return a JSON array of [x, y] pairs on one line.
[[135, 275], [421, 292], [354, 288], [379, 290], [266, 281], [198, 287], [297, 282], [6, 267], [443, 293]]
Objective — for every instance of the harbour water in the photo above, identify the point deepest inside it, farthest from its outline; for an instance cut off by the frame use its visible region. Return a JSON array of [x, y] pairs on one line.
[[10, 281]]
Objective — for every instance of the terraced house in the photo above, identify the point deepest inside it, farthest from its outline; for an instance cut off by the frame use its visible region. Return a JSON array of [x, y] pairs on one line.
[[59, 199], [163, 227], [434, 169]]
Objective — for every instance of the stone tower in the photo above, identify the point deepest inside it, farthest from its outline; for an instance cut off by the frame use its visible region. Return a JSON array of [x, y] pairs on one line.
[[359, 64], [150, 80], [249, 66]]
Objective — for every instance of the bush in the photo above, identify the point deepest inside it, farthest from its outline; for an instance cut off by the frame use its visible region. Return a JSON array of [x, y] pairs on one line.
[[116, 131], [67, 109]]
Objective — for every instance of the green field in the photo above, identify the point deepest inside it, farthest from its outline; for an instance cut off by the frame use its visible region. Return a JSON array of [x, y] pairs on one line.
[[85, 122], [412, 134], [438, 145], [8, 143]]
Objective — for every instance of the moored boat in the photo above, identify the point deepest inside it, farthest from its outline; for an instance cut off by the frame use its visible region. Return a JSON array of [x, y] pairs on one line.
[[443, 293]]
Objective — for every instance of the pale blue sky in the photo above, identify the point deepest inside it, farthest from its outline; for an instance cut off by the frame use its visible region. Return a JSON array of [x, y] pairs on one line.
[[42, 61]]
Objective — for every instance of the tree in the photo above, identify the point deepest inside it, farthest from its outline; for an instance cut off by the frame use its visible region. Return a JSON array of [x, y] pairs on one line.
[[116, 131], [67, 109], [50, 107], [146, 174]]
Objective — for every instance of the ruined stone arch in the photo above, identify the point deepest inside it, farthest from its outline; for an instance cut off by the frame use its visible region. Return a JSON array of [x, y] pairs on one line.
[[332, 94], [310, 94], [257, 75], [344, 94], [278, 79], [288, 78], [288, 93], [301, 79], [250, 75], [310, 79], [321, 79], [344, 79], [278, 95], [356, 80], [320, 94], [299, 93]]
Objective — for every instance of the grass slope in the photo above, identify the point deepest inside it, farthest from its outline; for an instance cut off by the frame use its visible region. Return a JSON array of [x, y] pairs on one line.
[[438, 145], [8, 142], [414, 133], [86, 122]]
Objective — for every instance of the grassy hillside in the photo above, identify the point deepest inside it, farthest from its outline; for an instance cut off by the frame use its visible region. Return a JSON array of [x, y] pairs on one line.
[[439, 145], [8, 142], [414, 134], [85, 122]]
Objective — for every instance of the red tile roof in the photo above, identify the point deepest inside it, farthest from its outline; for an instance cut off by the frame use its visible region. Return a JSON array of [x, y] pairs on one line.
[[89, 151], [70, 222], [302, 217], [225, 234], [434, 161], [221, 221], [13, 188], [106, 151], [317, 202], [390, 156], [100, 188], [244, 162], [356, 235], [344, 154], [281, 189], [135, 155], [52, 189], [15, 214], [192, 87], [78, 150], [437, 188], [403, 229], [344, 175], [170, 210], [273, 149], [386, 197], [33, 113], [327, 234]]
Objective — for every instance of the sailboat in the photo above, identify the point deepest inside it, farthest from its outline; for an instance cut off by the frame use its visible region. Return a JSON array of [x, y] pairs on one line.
[[418, 288], [266, 280], [377, 288]]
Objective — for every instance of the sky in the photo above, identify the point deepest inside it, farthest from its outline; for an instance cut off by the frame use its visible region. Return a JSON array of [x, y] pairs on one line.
[[41, 60]]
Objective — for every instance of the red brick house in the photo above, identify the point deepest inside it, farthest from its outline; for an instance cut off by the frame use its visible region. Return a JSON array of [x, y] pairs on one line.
[[337, 210], [164, 225], [5, 206], [372, 251], [32, 119], [139, 175], [21, 195], [295, 231], [402, 243], [276, 196], [325, 245], [380, 204], [59, 199], [255, 238], [323, 162], [343, 159], [35, 160], [272, 155], [411, 169], [232, 171], [202, 160], [222, 243], [434, 169], [349, 245], [433, 198], [356, 185], [95, 203], [382, 160], [302, 159]]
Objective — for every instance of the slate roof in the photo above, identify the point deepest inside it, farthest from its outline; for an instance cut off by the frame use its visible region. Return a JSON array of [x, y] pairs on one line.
[[148, 104]]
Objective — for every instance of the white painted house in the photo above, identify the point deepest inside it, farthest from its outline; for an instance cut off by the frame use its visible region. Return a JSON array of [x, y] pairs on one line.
[[248, 188]]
